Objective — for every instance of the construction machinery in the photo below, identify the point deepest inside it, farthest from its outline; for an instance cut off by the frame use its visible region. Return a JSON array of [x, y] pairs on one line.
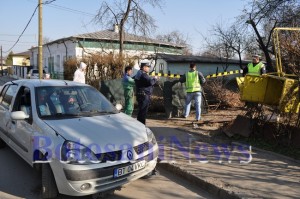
[[277, 89]]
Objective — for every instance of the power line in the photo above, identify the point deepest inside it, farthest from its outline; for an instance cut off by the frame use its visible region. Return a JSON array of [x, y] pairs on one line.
[[23, 30], [68, 9], [71, 10], [46, 2], [19, 41], [28, 35]]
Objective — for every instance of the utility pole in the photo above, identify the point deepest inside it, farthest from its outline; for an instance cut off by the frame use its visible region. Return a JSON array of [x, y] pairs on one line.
[[1, 62], [40, 49]]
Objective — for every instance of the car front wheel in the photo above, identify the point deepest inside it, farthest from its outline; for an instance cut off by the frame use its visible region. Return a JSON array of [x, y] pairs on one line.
[[49, 189]]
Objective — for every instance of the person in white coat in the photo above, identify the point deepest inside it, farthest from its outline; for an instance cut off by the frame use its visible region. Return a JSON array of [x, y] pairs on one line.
[[79, 75]]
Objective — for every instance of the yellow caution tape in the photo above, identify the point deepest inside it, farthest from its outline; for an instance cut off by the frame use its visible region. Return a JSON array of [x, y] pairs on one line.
[[224, 74], [208, 76]]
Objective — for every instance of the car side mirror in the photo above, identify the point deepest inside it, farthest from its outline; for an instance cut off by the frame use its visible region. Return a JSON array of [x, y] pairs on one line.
[[119, 107], [19, 115]]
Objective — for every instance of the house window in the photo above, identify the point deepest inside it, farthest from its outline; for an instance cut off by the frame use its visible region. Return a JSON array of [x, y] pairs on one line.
[[57, 63], [161, 67], [51, 64]]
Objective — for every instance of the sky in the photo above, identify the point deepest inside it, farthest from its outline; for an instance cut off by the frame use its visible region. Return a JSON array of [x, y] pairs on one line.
[[64, 18]]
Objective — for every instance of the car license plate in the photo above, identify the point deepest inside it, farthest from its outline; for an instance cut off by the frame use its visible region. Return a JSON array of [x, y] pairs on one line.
[[129, 169]]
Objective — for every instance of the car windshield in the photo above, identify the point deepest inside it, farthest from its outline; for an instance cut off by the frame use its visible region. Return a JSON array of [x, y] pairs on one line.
[[71, 101]]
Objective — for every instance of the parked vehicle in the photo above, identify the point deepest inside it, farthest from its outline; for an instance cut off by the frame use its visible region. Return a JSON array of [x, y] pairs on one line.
[[34, 74], [80, 141]]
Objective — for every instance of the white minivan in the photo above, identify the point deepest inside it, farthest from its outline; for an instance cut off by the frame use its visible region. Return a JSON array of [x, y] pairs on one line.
[[80, 141]]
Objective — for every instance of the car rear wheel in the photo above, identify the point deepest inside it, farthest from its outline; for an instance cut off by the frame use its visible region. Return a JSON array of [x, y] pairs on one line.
[[2, 144], [49, 189]]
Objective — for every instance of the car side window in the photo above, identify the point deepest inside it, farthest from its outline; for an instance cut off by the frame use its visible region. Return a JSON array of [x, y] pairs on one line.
[[23, 101], [8, 94], [3, 91]]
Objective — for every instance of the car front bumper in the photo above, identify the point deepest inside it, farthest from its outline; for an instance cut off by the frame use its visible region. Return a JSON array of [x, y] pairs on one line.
[[71, 178]]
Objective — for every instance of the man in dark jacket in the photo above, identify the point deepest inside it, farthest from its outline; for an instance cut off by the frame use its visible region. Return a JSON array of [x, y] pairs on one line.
[[144, 88]]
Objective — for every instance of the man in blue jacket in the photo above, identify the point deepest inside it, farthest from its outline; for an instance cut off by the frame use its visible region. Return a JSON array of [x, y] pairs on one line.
[[144, 88]]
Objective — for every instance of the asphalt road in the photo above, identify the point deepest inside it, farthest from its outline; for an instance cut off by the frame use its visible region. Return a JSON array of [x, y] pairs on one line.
[[18, 180]]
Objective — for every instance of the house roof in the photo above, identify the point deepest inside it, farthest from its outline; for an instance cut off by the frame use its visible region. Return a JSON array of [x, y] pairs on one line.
[[26, 53], [110, 35], [196, 59]]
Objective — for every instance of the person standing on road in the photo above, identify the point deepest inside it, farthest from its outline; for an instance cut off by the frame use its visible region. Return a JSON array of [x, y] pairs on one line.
[[144, 88], [256, 67], [193, 81], [79, 75], [128, 84]]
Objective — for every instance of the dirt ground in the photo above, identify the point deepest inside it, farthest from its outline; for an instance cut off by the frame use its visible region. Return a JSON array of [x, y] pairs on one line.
[[211, 130]]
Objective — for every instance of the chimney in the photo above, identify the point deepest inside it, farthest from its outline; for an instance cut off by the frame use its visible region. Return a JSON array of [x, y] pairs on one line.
[[116, 28]]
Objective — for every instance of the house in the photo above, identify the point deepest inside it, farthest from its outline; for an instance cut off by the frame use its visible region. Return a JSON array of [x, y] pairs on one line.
[[79, 46], [179, 64], [21, 64]]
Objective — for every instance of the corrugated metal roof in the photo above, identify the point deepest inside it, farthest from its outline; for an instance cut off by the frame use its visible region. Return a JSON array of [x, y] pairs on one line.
[[196, 59], [114, 36], [26, 53]]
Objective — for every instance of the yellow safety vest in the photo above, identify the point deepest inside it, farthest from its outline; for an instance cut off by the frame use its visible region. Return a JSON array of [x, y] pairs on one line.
[[255, 70], [192, 82]]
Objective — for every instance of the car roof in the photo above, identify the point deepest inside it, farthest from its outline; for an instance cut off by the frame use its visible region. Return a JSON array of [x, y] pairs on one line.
[[43, 82]]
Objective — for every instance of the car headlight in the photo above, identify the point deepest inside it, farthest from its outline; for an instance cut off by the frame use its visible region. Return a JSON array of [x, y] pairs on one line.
[[151, 137], [75, 153]]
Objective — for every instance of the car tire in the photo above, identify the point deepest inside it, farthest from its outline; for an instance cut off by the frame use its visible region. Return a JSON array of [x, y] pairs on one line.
[[2, 144], [49, 188]]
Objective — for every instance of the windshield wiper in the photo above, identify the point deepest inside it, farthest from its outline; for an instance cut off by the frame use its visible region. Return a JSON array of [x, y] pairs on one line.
[[60, 115], [102, 112]]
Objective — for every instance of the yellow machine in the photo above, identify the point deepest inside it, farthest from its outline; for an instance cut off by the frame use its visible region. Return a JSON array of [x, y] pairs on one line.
[[274, 89]]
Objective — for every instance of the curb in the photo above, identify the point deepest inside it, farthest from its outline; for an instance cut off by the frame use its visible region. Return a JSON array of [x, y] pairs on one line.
[[209, 187]]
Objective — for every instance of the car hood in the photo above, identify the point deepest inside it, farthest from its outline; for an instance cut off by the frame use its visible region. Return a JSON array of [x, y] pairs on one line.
[[110, 132]]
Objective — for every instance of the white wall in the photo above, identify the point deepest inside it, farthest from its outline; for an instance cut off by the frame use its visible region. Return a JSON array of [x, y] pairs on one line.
[[206, 69], [56, 51]]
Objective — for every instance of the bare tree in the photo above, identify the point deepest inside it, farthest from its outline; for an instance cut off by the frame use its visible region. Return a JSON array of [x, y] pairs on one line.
[[178, 38], [233, 40], [263, 16], [290, 51], [216, 49], [127, 14], [46, 40]]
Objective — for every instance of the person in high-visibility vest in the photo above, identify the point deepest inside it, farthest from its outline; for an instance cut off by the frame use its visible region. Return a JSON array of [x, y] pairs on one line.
[[193, 80], [128, 84], [256, 67]]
